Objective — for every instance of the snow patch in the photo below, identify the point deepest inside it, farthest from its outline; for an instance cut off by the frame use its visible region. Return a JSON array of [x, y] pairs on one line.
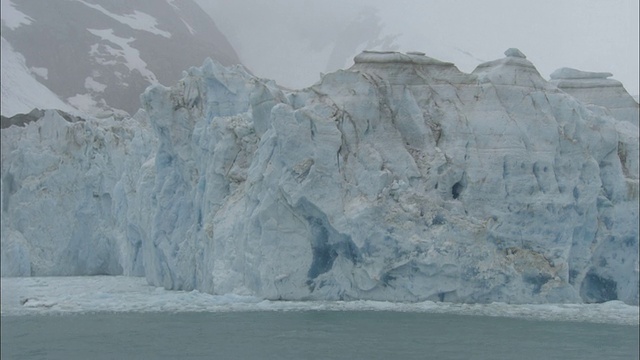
[[91, 84], [85, 102], [173, 4], [191, 30], [107, 55], [12, 17], [137, 21]]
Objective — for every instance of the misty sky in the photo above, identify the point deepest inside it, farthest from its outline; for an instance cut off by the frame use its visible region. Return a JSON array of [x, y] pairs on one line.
[[292, 41]]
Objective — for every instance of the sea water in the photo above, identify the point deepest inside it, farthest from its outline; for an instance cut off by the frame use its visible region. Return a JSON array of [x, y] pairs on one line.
[[115, 317], [310, 335]]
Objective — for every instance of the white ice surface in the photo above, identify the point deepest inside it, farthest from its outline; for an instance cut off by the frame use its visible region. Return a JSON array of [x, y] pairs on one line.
[[73, 295]]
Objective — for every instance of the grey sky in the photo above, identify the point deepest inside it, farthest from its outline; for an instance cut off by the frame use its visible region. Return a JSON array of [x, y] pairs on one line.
[[292, 41]]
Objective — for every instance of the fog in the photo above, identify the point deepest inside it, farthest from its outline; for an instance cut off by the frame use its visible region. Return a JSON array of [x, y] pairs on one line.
[[292, 41]]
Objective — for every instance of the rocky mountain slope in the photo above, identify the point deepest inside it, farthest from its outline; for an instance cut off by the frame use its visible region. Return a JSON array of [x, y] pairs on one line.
[[401, 179], [100, 55]]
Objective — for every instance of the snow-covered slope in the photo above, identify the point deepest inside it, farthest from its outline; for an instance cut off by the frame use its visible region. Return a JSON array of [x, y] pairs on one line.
[[21, 92], [401, 178], [100, 55]]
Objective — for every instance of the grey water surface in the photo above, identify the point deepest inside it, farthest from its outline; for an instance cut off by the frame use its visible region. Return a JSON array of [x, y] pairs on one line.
[[309, 335]]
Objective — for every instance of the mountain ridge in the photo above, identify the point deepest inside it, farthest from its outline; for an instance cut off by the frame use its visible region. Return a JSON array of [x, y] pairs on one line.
[[117, 48]]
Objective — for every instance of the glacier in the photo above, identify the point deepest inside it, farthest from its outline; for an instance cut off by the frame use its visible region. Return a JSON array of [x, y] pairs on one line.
[[398, 179]]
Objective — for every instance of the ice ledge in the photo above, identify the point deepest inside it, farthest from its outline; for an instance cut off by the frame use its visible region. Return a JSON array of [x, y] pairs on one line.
[[385, 57], [585, 83], [572, 78], [574, 74], [515, 61]]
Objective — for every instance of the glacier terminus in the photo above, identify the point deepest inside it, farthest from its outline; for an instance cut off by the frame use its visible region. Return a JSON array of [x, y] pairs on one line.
[[400, 179]]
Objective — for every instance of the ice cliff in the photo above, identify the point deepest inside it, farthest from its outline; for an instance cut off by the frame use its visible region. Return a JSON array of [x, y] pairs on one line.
[[66, 184], [595, 88], [401, 179]]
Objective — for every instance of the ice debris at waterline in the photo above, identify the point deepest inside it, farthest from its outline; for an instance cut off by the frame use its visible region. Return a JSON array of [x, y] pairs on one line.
[[399, 179], [119, 294]]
